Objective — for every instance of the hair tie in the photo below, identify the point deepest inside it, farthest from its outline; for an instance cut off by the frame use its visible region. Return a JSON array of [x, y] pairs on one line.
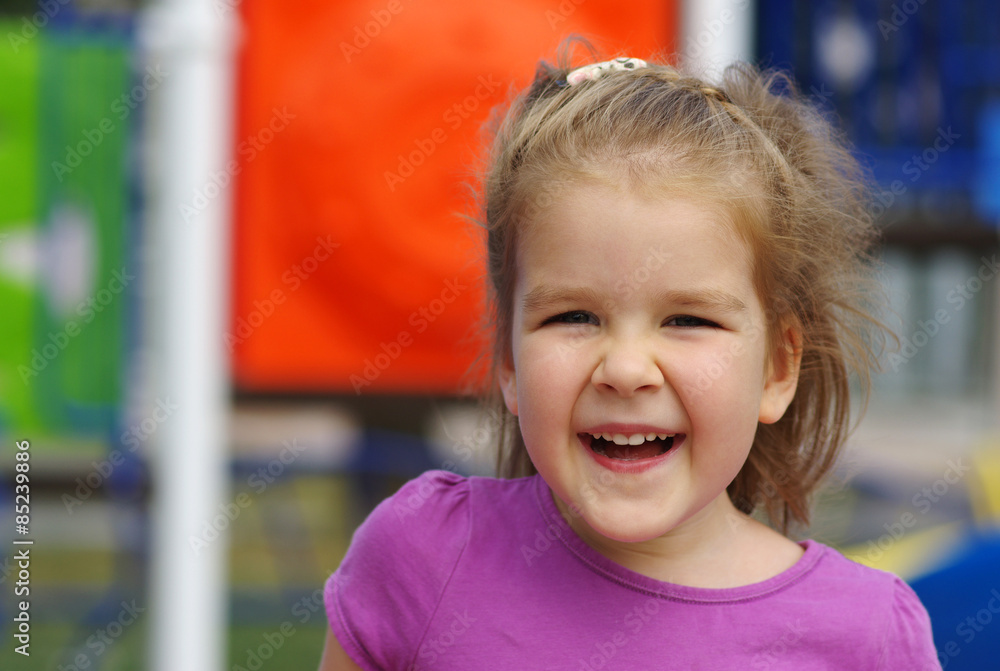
[[597, 70]]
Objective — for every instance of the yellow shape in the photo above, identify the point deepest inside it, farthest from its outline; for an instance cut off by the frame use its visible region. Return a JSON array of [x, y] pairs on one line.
[[984, 486], [912, 554]]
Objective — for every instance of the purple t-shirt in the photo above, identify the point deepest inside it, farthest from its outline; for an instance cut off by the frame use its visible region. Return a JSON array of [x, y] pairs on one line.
[[477, 573]]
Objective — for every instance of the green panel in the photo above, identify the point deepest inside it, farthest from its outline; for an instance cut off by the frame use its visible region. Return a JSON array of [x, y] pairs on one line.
[[18, 126], [19, 63], [80, 324], [64, 136]]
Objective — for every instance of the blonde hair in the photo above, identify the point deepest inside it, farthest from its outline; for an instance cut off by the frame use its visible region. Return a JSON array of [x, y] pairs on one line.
[[754, 145]]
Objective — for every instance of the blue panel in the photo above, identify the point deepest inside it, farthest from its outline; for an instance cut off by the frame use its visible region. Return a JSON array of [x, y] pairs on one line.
[[901, 75], [963, 600], [987, 193]]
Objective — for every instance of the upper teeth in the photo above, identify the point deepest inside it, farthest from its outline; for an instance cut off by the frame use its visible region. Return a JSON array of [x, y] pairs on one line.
[[633, 439]]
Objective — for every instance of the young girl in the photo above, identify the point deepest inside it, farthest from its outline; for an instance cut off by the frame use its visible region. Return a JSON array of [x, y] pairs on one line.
[[681, 289]]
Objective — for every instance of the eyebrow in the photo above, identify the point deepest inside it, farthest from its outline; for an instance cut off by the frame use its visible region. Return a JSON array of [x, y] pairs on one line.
[[543, 297], [705, 299]]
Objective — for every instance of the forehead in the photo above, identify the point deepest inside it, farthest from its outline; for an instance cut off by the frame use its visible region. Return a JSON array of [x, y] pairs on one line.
[[596, 226]]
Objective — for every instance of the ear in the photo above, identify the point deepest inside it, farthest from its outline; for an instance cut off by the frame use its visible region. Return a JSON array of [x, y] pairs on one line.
[[508, 385], [782, 376]]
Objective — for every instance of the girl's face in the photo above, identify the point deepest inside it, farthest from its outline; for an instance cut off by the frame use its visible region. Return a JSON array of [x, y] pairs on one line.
[[636, 321]]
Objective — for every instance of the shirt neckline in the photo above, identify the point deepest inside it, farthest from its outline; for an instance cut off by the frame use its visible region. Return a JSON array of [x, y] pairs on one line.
[[617, 573]]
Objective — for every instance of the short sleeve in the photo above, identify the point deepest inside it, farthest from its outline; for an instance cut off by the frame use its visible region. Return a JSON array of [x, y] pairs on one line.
[[909, 643], [382, 597]]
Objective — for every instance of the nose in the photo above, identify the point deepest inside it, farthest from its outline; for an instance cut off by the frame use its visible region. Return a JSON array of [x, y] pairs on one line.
[[627, 367]]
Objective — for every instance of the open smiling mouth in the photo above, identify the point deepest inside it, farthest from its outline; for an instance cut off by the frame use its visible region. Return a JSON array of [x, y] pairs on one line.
[[632, 447]]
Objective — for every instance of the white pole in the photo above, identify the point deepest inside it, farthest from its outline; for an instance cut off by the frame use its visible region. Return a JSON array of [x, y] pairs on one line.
[[189, 117], [714, 33]]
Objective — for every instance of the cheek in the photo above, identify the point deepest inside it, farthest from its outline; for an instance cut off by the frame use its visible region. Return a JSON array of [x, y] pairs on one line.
[[721, 397], [726, 379], [551, 361], [549, 381]]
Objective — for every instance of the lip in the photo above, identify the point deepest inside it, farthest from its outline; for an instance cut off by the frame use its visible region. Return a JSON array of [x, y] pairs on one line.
[[631, 467]]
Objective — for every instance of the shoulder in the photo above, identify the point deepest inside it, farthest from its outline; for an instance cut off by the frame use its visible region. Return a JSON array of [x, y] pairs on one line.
[[909, 641], [895, 623], [429, 500], [397, 567], [426, 519], [836, 573]]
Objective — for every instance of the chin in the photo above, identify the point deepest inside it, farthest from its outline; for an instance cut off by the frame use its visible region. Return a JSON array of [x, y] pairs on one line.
[[626, 527]]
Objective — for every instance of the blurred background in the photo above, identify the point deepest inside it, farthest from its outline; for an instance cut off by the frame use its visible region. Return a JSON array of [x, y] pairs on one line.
[[241, 301]]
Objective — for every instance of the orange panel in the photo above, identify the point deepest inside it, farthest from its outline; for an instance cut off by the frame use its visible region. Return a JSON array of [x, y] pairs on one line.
[[358, 131]]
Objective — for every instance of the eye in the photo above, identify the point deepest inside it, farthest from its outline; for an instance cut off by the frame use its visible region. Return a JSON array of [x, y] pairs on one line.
[[687, 321], [573, 317]]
